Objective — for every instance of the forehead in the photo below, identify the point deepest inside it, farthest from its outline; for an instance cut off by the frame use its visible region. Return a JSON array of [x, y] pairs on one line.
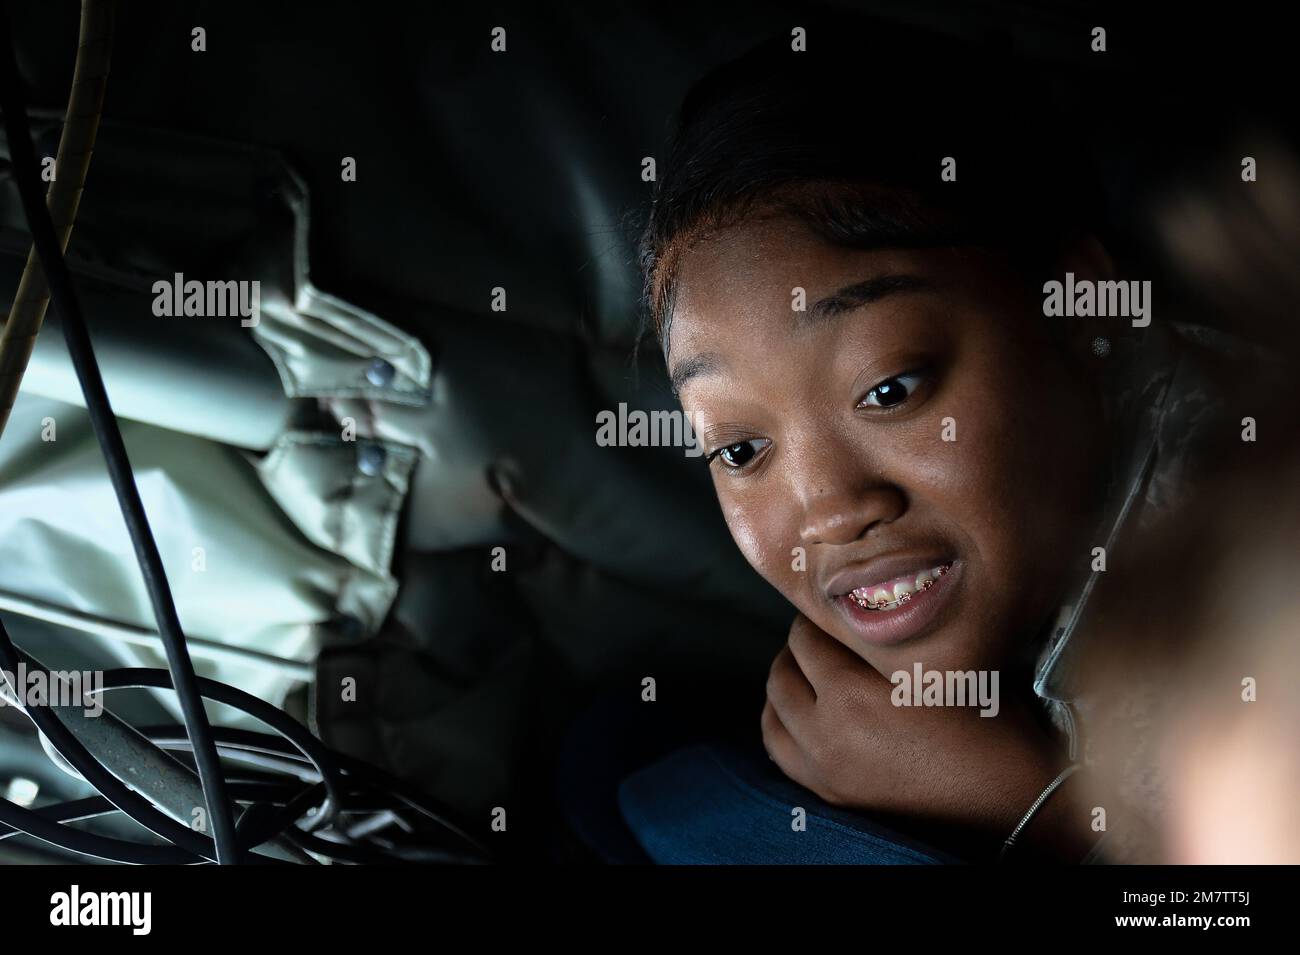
[[742, 282]]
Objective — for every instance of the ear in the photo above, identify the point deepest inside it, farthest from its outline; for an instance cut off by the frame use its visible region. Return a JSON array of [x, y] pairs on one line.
[[1088, 259]]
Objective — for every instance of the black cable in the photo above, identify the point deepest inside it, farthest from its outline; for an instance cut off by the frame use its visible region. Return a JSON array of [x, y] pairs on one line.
[[94, 807], [261, 742], [313, 749], [74, 810], [132, 803], [355, 770], [135, 805], [104, 423], [264, 821], [278, 808], [358, 855], [88, 843], [283, 800], [272, 758], [409, 797]]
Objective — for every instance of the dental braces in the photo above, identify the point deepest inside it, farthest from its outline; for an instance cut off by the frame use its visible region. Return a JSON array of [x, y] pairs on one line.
[[894, 604]]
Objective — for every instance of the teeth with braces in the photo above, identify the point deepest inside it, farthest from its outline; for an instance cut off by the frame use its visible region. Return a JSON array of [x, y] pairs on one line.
[[880, 597]]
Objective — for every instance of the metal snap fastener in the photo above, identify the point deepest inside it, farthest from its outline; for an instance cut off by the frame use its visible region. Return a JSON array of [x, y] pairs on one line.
[[380, 372], [370, 459]]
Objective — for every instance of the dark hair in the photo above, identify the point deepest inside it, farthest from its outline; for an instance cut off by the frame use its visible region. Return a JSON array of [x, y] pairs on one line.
[[850, 134]]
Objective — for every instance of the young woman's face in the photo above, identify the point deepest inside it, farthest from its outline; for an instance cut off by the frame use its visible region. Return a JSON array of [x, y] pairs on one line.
[[908, 459]]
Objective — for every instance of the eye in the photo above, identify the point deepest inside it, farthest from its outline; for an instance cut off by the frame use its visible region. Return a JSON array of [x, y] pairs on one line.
[[891, 391], [738, 455]]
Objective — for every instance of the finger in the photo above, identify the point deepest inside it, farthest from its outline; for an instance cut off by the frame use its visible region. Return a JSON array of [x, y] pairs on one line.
[[821, 657], [792, 697], [780, 745], [788, 688]]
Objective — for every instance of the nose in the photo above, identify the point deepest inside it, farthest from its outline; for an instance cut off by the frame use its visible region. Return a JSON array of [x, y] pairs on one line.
[[844, 497]]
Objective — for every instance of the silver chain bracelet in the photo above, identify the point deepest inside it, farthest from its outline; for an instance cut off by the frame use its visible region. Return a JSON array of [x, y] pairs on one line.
[[1038, 803]]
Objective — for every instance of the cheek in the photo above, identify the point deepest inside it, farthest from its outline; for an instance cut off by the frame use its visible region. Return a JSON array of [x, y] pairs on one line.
[[1015, 478], [1027, 460], [763, 527], [983, 484]]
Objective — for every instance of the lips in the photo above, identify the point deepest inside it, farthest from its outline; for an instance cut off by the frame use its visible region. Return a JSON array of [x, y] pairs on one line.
[[889, 600]]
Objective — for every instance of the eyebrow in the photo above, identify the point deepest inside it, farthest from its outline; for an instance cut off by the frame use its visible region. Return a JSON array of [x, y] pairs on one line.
[[846, 299], [862, 293], [704, 363]]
